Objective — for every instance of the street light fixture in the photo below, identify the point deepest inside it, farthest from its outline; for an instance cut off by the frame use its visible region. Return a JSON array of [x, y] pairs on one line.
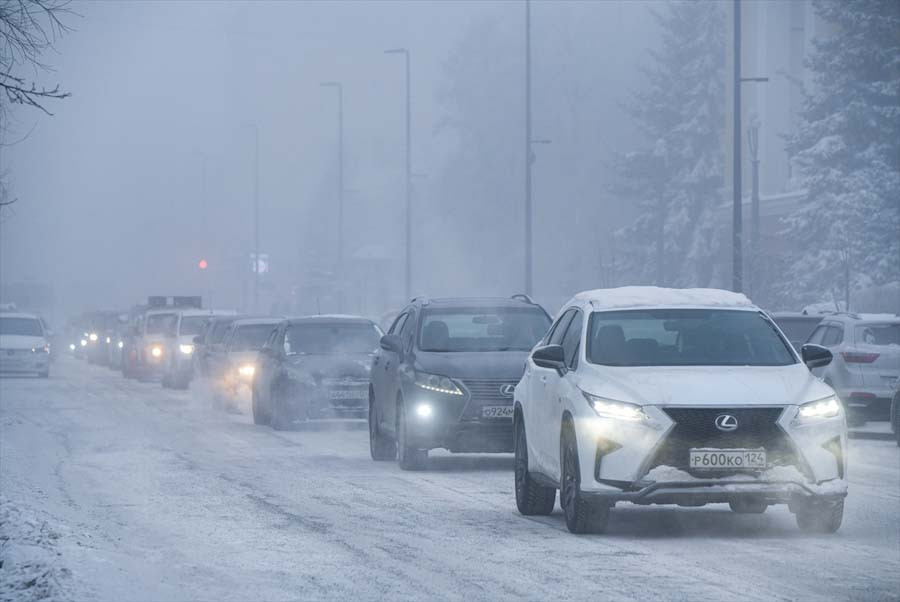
[[340, 233], [408, 233]]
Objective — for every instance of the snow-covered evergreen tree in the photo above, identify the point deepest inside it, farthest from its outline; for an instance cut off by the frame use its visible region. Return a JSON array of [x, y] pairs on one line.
[[677, 177], [847, 154]]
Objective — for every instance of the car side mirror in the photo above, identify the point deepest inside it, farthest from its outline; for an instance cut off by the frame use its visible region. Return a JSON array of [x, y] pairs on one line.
[[815, 356], [551, 357], [392, 343], [198, 340]]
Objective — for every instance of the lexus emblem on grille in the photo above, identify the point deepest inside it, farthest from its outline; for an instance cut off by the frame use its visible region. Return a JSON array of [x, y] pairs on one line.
[[726, 422], [507, 390]]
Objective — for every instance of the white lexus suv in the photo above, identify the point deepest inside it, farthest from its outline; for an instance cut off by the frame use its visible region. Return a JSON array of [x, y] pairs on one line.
[[668, 396]]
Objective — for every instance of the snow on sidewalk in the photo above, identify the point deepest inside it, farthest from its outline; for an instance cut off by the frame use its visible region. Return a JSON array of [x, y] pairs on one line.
[[31, 566]]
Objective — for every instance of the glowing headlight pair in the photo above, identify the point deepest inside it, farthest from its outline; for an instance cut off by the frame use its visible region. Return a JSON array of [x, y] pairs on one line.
[[609, 408], [186, 349], [822, 408], [437, 384], [247, 370]]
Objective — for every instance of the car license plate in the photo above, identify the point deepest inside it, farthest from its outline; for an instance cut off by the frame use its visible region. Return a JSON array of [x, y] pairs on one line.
[[349, 394], [719, 459], [497, 411]]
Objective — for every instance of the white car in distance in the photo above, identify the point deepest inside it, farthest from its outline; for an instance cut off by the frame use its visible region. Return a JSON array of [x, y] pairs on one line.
[[676, 396]]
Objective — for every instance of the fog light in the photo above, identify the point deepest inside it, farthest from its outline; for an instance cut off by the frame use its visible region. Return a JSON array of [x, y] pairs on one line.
[[423, 410]]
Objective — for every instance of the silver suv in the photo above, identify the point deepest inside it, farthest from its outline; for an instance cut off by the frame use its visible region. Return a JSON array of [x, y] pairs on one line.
[[866, 349]]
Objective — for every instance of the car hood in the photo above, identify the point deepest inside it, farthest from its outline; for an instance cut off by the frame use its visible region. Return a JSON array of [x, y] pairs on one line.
[[19, 341], [704, 385], [354, 365], [507, 365]]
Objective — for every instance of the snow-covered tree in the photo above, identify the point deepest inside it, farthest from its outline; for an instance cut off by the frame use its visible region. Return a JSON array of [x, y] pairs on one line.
[[847, 154], [677, 177]]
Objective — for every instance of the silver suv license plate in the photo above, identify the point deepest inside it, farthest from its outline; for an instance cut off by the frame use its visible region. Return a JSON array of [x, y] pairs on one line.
[[718, 459]]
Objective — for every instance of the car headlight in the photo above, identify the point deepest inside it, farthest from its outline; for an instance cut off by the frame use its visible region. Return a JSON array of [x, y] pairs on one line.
[[121, 344], [437, 383], [186, 349], [156, 351], [83, 343], [71, 346], [247, 370], [828, 407], [42, 349], [108, 340], [610, 408], [93, 336]]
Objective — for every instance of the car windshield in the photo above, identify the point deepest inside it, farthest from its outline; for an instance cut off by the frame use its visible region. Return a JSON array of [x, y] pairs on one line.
[[160, 323], [220, 327], [29, 327], [250, 337], [482, 329], [878, 334], [685, 337], [331, 338], [797, 329], [192, 325]]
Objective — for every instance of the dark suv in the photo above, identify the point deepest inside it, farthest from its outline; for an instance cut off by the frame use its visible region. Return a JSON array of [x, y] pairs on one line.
[[445, 375]]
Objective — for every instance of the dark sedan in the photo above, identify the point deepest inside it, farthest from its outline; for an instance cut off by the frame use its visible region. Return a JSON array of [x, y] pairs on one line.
[[314, 367]]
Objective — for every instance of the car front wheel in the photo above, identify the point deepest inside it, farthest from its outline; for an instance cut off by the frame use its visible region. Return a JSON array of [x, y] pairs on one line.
[[532, 499], [381, 447], [825, 517], [582, 515], [410, 458], [259, 417]]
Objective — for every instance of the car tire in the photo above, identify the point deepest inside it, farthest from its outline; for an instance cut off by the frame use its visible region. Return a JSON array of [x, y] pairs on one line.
[[895, 415], [820, 517], [583, 516], [259, 417], [743, 506], [381, 446], [279, 418], [532, 499], [409, 458]]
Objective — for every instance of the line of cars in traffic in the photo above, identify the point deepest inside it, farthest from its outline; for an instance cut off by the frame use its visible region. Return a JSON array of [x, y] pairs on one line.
[[640, 394]]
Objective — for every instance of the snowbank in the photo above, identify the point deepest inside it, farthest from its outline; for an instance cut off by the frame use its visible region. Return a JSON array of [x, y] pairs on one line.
[[653, 296], [30, 564]]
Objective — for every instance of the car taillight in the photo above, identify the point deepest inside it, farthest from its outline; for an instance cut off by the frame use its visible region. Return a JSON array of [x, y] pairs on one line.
[[853, 357]]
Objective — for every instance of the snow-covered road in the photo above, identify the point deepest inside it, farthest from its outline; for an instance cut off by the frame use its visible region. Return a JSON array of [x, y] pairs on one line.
[[117, 490]]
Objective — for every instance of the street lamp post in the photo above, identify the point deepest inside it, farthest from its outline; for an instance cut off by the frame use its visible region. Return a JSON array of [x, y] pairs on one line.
[[736, 185], [255, 129], [528, 152], [340, 229], [408, 232]]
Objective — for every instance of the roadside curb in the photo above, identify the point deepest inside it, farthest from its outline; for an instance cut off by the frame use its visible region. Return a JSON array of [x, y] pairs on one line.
[[871, 436]]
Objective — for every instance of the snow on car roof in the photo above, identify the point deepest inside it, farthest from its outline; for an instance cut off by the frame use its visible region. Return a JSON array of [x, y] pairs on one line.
[[654, 296], [13, 314]]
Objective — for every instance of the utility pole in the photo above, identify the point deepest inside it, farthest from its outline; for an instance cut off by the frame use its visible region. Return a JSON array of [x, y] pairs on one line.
[[408, 225], [340, 229], [255, 129], [753, 145], [528, 153], [737, 215]]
